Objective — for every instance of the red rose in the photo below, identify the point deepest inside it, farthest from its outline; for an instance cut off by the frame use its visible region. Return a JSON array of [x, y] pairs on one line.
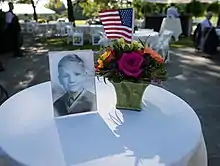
[[130, 64]]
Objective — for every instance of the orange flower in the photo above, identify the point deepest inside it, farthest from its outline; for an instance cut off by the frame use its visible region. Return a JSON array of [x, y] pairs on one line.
[[153, 54], [141, 52], [106, 54], [97, 68], [100, 64], [111, 56]]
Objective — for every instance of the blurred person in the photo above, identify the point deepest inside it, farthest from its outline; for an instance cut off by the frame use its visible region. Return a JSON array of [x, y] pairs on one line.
[[206, 23], [2, 25], [2, 29], [10, 14], [13, 30], [207, 39], [172, 11], [1, 67], [26, 18]]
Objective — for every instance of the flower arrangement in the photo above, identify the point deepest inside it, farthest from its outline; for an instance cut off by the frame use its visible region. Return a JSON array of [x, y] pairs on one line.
[[130, 68], [130, 62]]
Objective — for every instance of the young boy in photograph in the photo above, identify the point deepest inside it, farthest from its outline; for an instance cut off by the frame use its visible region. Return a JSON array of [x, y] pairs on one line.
[[72, 76]]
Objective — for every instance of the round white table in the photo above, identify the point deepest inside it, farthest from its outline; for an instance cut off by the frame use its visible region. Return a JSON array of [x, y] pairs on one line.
[[166, 133], [147, 36]]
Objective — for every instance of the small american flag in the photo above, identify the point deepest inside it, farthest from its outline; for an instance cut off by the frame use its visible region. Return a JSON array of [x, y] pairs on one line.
[[118, 23]]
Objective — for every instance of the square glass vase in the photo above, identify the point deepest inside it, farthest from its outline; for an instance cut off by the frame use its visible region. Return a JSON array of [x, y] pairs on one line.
[[129, 95]]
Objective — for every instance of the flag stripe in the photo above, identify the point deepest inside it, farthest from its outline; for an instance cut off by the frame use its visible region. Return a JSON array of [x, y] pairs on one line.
[[109, 10], [119, 32], [118, 28], [108, 13], [114, 25], [111, 20], [106, 23], [109, 17]]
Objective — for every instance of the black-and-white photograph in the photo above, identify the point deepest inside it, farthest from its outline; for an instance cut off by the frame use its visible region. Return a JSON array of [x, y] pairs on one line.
[[73, 82]]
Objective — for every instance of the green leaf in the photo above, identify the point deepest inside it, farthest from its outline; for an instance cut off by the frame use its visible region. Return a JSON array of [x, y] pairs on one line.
[[127, 48], [146, 41], [110, 74], [141, 42], [105, 80]]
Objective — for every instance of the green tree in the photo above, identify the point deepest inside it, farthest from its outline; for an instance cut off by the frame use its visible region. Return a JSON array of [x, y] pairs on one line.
[[195, 8], [214, 7], [138, 8], [70, 6], [56, 5], [148, 8], [92, 8]]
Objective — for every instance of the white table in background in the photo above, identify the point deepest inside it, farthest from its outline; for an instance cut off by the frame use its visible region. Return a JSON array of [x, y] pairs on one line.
[[172, 24], [97, 28], [87, 29], [144, 30], [166, 133], [148, 36]]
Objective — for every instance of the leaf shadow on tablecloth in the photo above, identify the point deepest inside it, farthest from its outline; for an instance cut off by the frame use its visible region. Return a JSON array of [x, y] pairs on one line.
[[6, 160], [132, 130], [86, 138]]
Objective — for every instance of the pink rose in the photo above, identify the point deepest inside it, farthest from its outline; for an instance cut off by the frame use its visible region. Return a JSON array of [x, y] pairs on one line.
[[130, 64]]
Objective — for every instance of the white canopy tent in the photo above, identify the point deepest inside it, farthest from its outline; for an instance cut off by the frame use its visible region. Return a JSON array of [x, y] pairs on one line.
[[44, 2], [27, 9]]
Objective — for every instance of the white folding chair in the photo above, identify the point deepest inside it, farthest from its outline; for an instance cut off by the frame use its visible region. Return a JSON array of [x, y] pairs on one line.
[[61, 29], [29, 27], [95, 35], [163, 45], [35, 28], [104, 41], [69, 31]]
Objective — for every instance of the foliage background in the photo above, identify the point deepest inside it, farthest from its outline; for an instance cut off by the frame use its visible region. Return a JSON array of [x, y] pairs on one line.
[[84, 9]]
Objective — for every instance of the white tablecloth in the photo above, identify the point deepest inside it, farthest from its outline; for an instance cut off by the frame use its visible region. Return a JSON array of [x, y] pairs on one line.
[[150, 37], [172, 24], [166, 133], [88, 29]]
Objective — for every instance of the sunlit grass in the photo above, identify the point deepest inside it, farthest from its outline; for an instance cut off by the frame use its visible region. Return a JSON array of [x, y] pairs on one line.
[[183, 43], [80, 22]]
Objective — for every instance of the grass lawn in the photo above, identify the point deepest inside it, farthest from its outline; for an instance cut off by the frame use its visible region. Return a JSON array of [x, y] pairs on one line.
[[80, 22], [183, 43], [60, 44]]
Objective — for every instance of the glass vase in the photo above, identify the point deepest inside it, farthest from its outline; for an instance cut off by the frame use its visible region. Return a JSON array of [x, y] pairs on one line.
[[129, 95]]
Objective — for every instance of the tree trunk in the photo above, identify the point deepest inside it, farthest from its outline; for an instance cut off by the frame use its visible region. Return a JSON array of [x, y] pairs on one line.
[[35, 13], [70, 12]]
